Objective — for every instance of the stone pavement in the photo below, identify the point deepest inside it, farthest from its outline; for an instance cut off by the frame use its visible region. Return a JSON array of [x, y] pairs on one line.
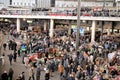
[[18, 67]]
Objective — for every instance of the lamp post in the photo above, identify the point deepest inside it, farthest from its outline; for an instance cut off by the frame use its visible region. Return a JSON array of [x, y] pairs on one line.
[[78, 24]]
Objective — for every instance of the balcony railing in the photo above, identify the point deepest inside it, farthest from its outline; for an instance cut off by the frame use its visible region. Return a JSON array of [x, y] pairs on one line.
[[83, 13]]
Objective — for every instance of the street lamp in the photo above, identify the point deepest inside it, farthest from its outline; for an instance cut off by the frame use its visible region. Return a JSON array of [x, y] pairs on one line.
[[78, 24]]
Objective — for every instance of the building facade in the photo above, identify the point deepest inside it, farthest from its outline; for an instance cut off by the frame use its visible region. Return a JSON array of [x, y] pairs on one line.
[[24, 3], [92, 3], [4, 3], [33, 3]]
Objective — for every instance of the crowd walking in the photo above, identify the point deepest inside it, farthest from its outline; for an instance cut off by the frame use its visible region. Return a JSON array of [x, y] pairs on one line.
[[58, 54]]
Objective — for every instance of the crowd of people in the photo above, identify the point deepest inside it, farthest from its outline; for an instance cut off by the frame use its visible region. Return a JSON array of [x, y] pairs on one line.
[[89, 62], [85, 11]]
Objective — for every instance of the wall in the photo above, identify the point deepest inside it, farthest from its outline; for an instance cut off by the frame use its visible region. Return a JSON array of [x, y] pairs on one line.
[[43, 3]]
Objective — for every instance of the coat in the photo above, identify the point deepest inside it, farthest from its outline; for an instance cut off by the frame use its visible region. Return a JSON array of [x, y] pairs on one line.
[[10, 57], [4, 76], [60, 69]]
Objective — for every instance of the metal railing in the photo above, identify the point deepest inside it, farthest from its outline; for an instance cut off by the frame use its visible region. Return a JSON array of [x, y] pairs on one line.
[[83, 13]]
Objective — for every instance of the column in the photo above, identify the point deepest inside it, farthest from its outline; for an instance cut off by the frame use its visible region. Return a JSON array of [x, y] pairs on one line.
[[93, 31], [69, 29], [109, 27], [45, 25], [51, 28], [101, 25], [108, 31], [18, 25]]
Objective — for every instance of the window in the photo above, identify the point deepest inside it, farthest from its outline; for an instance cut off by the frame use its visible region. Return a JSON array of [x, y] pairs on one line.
[[28, 4], [33, 4], [21, 3], [14, 3], [24, 4], [10, 2]]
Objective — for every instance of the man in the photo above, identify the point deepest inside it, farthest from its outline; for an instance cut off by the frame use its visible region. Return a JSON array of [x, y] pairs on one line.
[[22, 76], [10, 73], [4, 46], [10, 45], [18, 52], [71, 76], [78, 73], [4, 76], [38, 73], [10, 56], [15, 56], [31, 73]]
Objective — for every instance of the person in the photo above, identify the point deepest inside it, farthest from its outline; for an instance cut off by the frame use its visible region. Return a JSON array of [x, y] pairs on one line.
[[26, 61], [18, 52], [4, 76], [10, 73], [15, 46], [31, 73], [10, 56], [3, 60], [61, 70], [78, 73], [38, 73], [47, 74], [4, 46], [71, 77], [15, 56], [10, 45], [22, 76]]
